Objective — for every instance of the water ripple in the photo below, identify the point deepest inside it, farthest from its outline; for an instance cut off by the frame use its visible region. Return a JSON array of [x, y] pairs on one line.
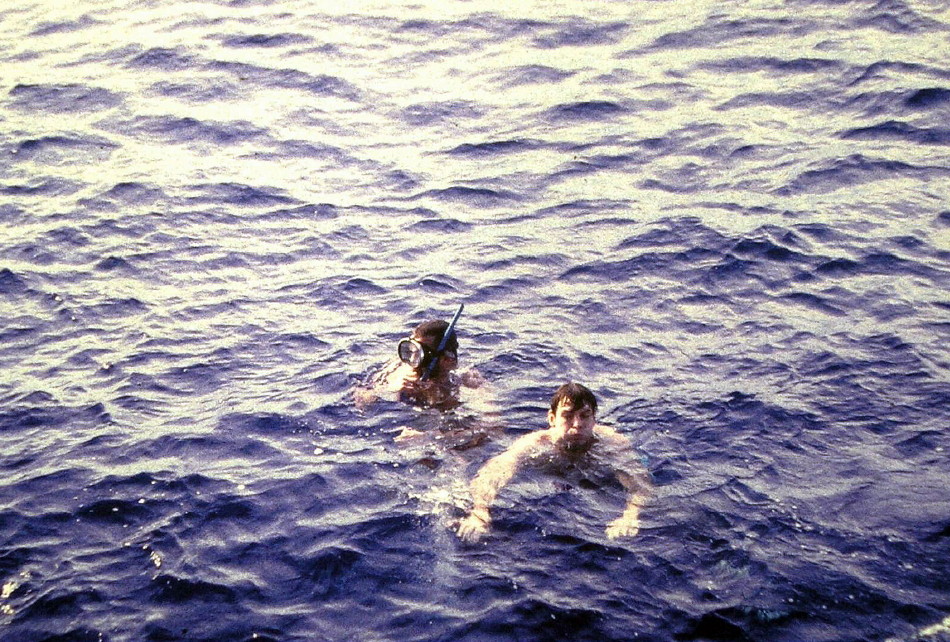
[[220, 217]]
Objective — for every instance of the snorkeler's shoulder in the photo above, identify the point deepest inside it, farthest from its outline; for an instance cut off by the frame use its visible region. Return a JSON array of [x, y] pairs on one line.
[[363, 397], [471, 378], [387, 379]]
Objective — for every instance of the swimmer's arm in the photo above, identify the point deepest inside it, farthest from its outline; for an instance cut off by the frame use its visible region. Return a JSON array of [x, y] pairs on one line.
[[489, 481], [640, 488], [635, 478]]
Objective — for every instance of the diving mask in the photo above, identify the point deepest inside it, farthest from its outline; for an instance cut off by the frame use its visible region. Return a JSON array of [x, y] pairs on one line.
[[413, 353]]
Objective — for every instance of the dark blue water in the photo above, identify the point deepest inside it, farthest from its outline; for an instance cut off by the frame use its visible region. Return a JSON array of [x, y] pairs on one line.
[[732, 222]]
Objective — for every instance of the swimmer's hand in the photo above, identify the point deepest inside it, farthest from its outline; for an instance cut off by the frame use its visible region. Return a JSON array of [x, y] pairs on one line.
[[408, 433], [623, 527], [472, 379], [472, 528]]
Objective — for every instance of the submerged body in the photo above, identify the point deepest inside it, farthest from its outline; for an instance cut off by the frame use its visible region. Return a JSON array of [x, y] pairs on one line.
[[401, 382], [424, 375], [572, 442]]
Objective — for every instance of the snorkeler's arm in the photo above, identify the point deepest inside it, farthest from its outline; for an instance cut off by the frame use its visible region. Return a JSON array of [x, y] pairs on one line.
[[489, 481], [364, 397], [635, 478]]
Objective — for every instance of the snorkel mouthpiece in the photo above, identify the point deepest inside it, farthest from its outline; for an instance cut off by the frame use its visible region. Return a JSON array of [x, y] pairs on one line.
[[445, 339]]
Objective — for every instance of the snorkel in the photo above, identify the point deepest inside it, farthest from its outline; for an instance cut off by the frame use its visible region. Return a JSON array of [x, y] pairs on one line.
[[445, 339]]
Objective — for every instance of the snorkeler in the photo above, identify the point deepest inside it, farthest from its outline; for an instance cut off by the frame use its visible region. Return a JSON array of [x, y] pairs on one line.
[[423, 374], [572, 440]]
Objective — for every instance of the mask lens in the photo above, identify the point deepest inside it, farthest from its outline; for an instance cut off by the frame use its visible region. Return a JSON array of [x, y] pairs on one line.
[[411, 352]]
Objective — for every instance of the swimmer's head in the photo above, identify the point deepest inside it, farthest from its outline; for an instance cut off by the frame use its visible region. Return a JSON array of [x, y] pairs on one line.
[[430, 334], [421, 348], [573, 418], [574, 395]]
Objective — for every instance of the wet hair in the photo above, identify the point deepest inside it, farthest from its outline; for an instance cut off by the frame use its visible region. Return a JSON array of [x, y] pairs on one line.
[[431, 334], [574, 394]]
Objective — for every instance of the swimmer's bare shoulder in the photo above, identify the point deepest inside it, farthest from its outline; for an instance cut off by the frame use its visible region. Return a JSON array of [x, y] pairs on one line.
[[610, 438], [609, 433], [618, 450], [527, 446]]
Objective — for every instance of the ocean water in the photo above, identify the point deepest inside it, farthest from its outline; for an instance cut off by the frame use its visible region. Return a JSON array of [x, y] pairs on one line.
[[730, 220]]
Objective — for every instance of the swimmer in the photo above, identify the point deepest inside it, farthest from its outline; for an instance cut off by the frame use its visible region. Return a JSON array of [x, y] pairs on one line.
[[572, 440], [423, 372]]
